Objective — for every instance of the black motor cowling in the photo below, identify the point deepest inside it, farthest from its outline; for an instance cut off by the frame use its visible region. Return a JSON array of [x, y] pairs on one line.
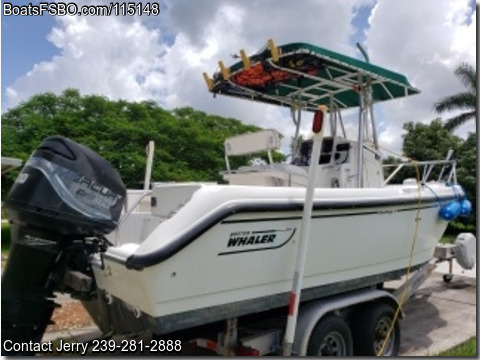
[[64, 194], [67, 189]]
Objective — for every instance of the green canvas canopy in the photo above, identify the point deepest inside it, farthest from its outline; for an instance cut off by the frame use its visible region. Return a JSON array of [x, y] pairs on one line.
[[305, 75]]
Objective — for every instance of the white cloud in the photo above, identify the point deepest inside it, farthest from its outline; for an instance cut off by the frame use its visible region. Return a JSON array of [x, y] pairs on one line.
[[230, 26], [96, 55], [162, 58], [424, 40], [130, 59]]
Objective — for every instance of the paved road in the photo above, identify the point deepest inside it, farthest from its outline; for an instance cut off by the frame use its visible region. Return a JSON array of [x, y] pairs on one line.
[[438, 317]]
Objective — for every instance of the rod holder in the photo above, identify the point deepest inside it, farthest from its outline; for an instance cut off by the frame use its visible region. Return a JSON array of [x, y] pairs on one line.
[[245, 59], [273, 50], [224, 70], [208, 81]]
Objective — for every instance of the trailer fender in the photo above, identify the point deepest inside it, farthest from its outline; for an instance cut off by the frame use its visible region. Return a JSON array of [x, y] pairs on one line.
[[312, 312]]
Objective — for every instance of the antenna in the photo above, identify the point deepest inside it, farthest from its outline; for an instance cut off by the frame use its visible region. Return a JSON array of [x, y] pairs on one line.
[[364, 53]]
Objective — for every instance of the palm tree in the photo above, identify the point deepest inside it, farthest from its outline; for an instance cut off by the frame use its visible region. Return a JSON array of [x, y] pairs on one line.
[[462, 101]]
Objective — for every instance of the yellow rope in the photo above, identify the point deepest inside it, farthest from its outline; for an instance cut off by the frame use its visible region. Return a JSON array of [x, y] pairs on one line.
[[415, 235]]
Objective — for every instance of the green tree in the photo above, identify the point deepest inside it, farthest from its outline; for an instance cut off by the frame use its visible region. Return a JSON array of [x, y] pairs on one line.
[[467, 173], [432, 142], [189, 144], [466, 100], [428, 142]]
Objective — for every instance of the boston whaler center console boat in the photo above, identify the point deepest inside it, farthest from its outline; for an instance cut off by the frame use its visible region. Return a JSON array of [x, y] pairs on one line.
[[185, 255]]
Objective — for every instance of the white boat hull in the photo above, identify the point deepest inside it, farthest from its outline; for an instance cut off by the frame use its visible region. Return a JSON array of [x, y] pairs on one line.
[[241, 252]]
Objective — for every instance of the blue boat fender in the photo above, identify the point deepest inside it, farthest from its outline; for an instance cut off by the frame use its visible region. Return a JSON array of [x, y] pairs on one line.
[[450, 211], [465, 207]]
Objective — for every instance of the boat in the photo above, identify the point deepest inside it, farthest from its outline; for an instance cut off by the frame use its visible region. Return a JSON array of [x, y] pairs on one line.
[[182, 255]]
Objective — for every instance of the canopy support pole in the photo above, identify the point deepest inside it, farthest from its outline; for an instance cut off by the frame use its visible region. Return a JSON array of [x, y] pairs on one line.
[[297, 120], [369, 101], [361, 130], [340, 119], [333, 118], [374, 126]]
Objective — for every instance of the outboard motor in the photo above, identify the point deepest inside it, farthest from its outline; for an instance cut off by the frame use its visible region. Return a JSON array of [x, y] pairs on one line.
[[62, 203]]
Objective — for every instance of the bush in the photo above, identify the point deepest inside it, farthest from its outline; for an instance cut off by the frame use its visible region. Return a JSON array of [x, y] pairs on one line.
[[456, 227]]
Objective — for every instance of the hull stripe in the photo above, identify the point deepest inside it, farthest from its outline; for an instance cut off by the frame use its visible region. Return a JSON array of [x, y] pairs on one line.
[[323, 216], [138, 262]]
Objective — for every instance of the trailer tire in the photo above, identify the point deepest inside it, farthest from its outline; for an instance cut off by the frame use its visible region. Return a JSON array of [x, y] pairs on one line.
[[330, 337], [370, 328]]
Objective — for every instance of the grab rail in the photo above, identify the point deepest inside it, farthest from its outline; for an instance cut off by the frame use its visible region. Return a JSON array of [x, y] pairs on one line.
[[129, 210], [427, 170]]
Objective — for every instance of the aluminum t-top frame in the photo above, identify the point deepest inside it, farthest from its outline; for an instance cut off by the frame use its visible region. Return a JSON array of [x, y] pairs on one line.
[[303, 76]]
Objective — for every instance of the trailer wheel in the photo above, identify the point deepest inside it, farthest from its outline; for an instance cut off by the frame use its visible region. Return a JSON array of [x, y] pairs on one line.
[[370, 329], [330, 337]]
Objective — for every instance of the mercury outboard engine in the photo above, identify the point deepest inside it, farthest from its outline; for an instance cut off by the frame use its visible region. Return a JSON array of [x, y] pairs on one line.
[[62, 203]]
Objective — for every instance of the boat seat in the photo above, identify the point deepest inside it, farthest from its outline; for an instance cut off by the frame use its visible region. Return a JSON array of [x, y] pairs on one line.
[[326, 152], [332, 148], [272, 174], [264, 140], [269, 175], [288, 168], [341, 153]]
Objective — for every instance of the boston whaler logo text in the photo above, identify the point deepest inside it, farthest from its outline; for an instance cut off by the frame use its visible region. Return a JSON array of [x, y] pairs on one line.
[[245, 241], [240, 238]]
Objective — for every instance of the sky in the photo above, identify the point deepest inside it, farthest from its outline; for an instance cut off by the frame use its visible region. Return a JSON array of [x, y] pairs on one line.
[[162, 57]]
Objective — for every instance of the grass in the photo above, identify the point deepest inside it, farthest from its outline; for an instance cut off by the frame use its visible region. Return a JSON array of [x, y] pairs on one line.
[[468, 348], [448, 239]]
